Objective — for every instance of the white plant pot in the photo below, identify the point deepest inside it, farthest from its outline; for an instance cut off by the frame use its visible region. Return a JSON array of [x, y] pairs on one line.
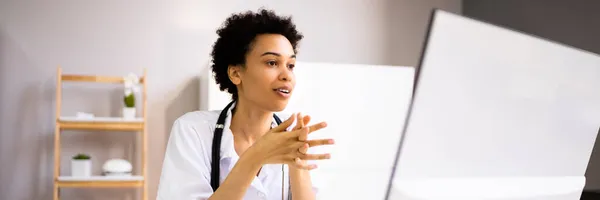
[[129, 113], [81, 167]]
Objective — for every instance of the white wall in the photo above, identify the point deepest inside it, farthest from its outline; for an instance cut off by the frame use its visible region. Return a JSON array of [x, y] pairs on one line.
[[171, 39], [365, 112]]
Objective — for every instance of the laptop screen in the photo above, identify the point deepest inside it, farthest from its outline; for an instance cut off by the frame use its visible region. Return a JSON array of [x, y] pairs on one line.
[[497, 114]]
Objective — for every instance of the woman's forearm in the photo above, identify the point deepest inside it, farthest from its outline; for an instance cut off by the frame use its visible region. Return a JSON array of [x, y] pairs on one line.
[[301, 184], [239, 179]]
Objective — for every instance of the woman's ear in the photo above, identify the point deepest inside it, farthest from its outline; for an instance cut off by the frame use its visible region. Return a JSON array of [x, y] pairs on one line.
[[234, 72]]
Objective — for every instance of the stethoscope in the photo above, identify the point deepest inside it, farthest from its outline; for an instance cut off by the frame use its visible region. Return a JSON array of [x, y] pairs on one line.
[[216, 151]]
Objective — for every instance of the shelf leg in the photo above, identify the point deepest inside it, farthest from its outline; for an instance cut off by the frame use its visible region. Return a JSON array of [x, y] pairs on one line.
[[57, 131], [145, 193], [56, 192]]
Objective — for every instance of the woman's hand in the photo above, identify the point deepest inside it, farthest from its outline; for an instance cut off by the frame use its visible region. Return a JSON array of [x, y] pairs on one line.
[[278, 146], [301, 123], [300, 180], [281, 146]]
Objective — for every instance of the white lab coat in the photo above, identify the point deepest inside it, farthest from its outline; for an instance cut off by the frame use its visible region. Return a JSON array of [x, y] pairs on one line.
[[186, 166]]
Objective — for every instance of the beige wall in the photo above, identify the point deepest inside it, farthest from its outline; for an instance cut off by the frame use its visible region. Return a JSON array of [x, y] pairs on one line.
[[172, 40]]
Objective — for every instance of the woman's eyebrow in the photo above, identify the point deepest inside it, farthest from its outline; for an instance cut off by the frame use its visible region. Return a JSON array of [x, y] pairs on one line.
[[276, 54]]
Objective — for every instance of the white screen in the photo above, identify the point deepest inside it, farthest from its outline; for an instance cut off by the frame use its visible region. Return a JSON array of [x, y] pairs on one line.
[[365, 109], [498, 114]]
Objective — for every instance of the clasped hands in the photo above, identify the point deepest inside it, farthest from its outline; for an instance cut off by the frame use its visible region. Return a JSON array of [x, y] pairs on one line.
[[280, 146]]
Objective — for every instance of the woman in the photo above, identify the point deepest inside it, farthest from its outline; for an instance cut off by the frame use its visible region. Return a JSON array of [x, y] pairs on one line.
[[253, 60]]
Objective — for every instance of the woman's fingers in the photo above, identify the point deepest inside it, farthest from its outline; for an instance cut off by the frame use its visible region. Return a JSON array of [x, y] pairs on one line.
[[303, 146], [324, 156], [306, 119], [299, 132], [302, 121], [317, 127], [301, 124], [296, 134], [303, 149], [294, 146], [320, 142], [302, 165], [311, 143], [285, 124]]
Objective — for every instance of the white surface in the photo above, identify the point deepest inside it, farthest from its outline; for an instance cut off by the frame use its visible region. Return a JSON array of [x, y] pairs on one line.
[[99, 119], [364, 106], [101, 178], [493, 104], [541, 188]]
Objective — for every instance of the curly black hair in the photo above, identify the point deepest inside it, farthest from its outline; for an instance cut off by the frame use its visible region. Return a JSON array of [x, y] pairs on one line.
[[236, 36]]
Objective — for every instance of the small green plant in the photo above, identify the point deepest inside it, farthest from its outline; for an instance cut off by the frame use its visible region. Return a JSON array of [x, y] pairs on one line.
[[129, 100], [81, 156]]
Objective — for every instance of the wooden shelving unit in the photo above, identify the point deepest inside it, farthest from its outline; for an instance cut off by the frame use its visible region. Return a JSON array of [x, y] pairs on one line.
[[104, 124]]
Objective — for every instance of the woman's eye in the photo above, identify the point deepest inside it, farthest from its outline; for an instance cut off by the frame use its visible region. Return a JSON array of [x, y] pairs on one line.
[[291, 66], [271, 63]]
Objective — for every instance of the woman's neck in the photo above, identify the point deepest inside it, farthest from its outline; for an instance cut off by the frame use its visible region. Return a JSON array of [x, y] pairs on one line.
[[249, 121]]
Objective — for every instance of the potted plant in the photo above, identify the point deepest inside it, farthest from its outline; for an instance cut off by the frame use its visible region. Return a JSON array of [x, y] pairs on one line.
[[129, 109], [81, 165], [130, 84]]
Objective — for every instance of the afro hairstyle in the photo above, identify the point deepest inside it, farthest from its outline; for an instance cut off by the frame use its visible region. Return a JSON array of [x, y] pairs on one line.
[[235, 38]]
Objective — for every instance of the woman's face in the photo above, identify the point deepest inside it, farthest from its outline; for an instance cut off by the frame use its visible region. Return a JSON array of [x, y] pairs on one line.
[[267, 80]]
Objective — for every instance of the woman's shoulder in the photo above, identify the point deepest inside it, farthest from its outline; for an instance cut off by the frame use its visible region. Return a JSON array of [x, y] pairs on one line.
[[199, 117], [199, 122]]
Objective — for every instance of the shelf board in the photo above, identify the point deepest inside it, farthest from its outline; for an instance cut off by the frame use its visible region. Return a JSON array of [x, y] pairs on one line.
[[92, 78], [100, 181], [101, 123], [101, 119]]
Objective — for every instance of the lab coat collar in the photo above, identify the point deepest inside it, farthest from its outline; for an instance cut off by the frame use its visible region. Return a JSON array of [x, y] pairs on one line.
[[227, 148]]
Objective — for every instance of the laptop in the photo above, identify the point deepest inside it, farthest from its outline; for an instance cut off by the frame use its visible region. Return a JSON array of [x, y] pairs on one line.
[[497, 114]]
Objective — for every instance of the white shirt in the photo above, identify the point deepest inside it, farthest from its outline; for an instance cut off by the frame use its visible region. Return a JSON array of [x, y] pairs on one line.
[[187, 163]]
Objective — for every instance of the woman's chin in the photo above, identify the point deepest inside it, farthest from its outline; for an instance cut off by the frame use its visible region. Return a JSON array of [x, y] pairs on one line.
[[279, 105]]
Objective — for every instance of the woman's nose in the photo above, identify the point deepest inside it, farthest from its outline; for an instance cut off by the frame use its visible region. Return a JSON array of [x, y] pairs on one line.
[[286, 75]]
